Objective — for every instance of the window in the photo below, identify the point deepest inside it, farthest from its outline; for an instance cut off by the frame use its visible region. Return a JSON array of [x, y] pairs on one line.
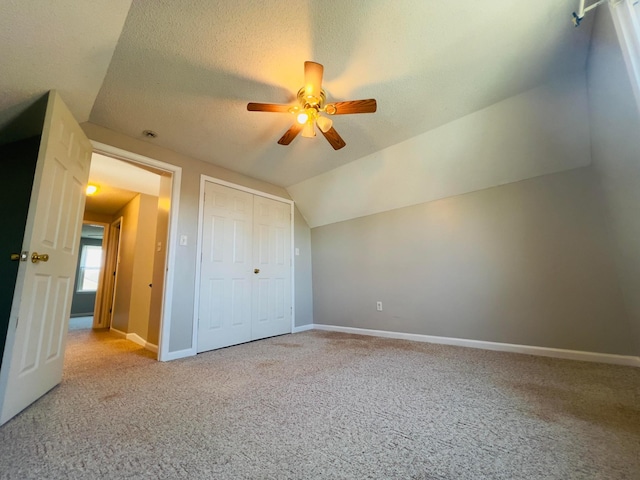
[[89, 271]]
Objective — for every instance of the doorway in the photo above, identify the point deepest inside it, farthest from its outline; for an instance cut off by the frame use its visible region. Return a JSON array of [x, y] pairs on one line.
[[137, 202], [161, 295]]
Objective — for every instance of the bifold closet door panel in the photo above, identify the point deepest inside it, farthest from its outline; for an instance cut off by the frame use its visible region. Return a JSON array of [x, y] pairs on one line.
[[226, 273], [272, 258]]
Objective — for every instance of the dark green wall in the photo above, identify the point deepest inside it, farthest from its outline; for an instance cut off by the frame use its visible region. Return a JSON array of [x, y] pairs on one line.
[[18, 163]]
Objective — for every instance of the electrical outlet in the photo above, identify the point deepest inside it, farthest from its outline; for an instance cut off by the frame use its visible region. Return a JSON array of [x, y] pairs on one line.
[[379, 306]]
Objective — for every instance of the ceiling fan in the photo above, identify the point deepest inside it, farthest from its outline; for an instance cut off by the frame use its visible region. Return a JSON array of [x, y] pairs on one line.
[[311, 104]]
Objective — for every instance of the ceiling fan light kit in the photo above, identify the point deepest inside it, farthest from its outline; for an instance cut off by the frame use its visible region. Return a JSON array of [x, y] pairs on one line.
[[311, 104]]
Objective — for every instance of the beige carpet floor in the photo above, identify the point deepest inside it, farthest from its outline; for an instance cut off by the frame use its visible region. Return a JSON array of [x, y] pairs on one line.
[[319, 405]]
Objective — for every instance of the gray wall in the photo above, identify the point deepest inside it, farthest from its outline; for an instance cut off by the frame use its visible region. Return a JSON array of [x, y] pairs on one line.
[[615, 141], [541, 131], [143, 257], [180, 335], [526, 263], [122, 295], [552, 261], [135, 269], [304, 289]]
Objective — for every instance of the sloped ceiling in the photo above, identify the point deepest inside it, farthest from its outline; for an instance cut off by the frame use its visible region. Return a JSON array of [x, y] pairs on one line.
[[65, 45], [187, 69]]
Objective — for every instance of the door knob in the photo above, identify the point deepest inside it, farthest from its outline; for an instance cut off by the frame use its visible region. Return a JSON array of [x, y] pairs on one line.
[[257, 270], [35, 258]]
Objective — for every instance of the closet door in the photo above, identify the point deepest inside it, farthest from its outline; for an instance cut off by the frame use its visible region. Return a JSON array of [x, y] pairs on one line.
[[226, 273], [272, 272], [245, 271]]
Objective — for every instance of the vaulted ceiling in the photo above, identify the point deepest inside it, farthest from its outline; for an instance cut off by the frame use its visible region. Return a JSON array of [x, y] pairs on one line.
[[187, 69]]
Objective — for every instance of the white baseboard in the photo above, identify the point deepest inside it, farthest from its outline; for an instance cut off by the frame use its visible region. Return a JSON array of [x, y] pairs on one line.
[[187, 352], [118, 332], [302, 328], [501, 347], [135, 338]]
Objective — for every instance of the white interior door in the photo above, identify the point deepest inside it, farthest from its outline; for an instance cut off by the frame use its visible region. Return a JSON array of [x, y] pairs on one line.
[[272, 259], [39, 318], [112, 259], [226, 268], [245, 271]]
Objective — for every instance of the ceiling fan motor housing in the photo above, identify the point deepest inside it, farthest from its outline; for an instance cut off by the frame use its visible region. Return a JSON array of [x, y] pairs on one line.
[[311, 102]]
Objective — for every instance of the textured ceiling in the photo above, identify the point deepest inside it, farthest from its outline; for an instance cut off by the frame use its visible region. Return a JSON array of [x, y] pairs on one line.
[[120, 174], [118, 183], [64, 45], [187, 69], [109, 200]]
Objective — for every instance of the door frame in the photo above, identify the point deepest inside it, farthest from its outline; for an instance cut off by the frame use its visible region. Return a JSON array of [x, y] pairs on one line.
[[224, 183], [97, 306], [111, 257], [172, 237]]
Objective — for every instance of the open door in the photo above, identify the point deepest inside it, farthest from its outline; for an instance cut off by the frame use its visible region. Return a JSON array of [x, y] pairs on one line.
[[108, 289], [38, 322]]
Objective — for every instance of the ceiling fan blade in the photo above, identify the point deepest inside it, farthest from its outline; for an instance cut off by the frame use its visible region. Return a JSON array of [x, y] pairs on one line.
[[268, 107], [290, 134], [352, 106], [313, 78], [334, 139]]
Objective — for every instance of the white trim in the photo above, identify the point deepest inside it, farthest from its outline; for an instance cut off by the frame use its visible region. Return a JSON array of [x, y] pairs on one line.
[[187, 352], [292, 256], [196, 300], [135, 338], [496, 346], [242, 188], [196, 295], [172, 237], [627, 25], [117, 332], [303, 328], [112, 256]]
